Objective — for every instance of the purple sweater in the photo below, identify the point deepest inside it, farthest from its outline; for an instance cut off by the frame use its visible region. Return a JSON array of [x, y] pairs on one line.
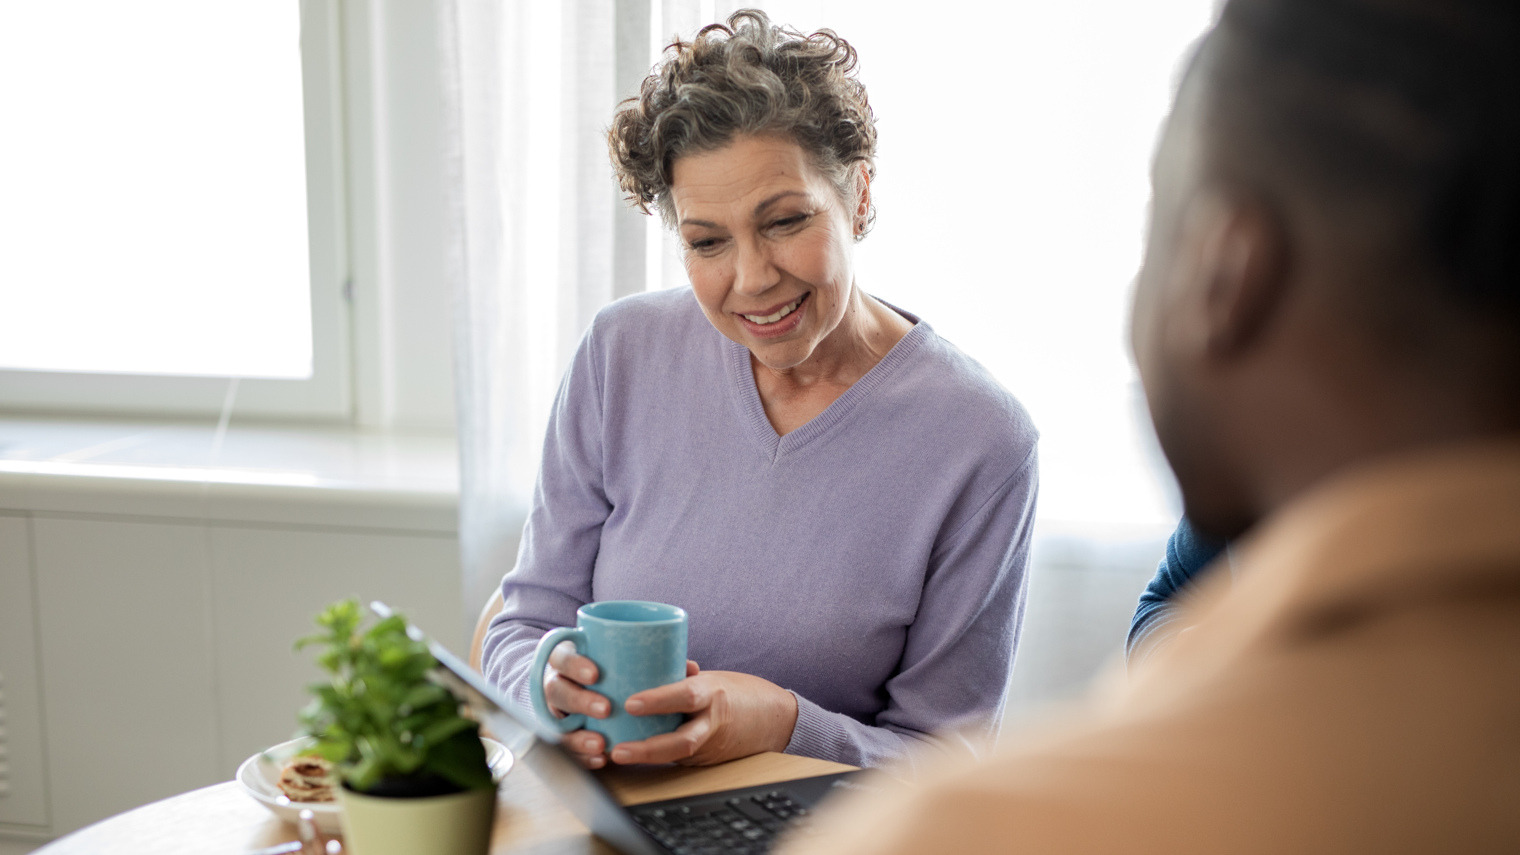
[[873, 561]]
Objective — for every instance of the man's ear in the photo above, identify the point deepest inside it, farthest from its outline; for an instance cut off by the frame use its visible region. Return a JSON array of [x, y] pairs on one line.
[[1241, 270]]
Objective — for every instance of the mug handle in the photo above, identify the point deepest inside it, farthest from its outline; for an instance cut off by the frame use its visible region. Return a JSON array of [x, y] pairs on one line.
[[546, 645]]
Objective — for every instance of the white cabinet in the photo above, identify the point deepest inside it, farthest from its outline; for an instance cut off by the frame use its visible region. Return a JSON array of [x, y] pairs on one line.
[[23, 799], [166, 647], [147, 623], [270, 583], [128, 663]]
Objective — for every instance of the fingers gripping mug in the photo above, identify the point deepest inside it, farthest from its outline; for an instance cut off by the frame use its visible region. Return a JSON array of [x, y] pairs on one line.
[[636, 646]]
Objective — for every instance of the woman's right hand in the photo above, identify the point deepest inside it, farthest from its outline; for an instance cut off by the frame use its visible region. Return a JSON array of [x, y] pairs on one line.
[[565, 682]]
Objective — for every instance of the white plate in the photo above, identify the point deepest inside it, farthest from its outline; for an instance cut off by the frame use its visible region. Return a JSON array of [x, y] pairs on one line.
[[260, 774]]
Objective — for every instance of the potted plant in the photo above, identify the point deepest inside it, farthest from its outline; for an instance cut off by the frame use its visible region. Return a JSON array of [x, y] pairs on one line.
[[412, 769]]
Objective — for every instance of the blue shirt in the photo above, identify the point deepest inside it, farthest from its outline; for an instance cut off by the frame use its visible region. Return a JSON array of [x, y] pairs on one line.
[[1187, 554]]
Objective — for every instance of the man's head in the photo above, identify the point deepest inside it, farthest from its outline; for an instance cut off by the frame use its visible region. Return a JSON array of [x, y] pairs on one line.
[[1333, 266]]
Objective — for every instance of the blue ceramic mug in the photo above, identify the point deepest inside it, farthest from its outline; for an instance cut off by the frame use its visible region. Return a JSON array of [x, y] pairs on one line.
[[636, 646]]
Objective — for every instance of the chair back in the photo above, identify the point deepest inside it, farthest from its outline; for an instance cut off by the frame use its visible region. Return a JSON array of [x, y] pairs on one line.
[[492, 609]]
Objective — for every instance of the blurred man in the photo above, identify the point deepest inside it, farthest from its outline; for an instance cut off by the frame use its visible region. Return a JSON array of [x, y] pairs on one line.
[[1327, 325]]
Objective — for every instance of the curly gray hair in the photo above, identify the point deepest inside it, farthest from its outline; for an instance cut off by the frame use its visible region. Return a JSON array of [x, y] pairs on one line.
[[746, 77]]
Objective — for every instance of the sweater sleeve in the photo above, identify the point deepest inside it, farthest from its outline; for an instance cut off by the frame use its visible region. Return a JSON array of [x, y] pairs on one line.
[[557, 555], [949, 692], [1187, 554]]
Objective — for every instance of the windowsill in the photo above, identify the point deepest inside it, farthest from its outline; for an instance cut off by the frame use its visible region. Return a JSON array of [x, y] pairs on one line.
[[287, 475]]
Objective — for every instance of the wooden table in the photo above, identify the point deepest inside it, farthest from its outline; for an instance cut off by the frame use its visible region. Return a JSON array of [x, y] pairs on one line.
[[223, 819]]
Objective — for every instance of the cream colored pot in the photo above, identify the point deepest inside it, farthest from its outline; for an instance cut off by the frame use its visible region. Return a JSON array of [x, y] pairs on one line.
[[455, 824]]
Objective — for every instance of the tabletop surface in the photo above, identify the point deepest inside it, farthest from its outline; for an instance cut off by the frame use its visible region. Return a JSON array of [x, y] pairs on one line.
[[223, 819]]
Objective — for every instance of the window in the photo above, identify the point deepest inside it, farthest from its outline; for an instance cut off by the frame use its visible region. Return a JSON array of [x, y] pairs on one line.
[[173, 210]]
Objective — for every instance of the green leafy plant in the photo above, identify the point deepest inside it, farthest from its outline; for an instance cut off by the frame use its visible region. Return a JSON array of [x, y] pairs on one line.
[[386, 727]]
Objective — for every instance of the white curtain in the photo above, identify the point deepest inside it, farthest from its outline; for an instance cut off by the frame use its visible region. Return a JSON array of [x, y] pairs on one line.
[[541, 238]]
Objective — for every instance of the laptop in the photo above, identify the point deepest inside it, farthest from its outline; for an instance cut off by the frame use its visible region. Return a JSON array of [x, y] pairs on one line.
[[744, 820]]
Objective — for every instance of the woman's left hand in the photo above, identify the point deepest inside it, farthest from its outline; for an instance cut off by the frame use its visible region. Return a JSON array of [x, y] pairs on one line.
[[731, 715]]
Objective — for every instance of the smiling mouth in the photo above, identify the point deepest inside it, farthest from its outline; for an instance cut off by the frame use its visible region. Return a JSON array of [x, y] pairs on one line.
[[780, 313]]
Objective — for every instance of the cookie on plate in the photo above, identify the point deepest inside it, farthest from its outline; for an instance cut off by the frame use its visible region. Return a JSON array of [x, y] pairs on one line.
[[307, 779]]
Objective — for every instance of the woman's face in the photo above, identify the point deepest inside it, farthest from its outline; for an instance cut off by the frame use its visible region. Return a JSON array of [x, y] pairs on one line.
[[768, 247]]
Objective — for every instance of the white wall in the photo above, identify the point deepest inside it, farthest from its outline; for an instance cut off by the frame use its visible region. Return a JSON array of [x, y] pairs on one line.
[[1081, 598]]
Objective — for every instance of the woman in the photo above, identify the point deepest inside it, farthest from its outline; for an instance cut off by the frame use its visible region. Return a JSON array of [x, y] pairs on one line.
[[840, 499]]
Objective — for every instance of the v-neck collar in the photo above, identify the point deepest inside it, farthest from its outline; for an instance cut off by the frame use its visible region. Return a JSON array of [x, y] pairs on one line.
[[774, 446]]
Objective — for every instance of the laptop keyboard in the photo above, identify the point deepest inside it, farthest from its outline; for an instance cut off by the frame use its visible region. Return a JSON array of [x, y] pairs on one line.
[[747, 824]]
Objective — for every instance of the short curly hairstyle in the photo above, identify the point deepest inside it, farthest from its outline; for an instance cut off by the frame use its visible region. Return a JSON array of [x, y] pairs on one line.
[[746, 77]]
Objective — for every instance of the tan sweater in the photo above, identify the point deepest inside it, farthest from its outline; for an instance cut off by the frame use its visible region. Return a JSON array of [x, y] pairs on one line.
[[1357, 689]]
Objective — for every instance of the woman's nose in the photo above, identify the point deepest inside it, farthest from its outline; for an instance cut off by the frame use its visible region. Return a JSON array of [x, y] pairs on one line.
[[754, 272]]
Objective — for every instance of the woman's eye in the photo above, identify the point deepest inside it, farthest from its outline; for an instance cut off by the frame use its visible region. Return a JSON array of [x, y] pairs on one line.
[[785, 222]]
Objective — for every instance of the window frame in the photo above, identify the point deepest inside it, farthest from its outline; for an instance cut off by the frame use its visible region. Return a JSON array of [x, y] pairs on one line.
[[328, 394]]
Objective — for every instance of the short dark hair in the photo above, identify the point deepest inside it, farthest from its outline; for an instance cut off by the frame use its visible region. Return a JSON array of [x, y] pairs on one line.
[[748, 77], [1411, 104]]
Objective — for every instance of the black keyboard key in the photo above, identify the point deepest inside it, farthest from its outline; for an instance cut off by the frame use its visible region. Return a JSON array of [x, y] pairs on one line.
[[736, 825]]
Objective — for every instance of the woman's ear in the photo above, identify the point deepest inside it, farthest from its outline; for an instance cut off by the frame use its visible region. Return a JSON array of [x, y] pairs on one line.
[[862, 216]]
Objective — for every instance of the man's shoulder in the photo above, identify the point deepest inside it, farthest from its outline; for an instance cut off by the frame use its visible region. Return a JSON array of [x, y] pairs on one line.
[[1388, 738]]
